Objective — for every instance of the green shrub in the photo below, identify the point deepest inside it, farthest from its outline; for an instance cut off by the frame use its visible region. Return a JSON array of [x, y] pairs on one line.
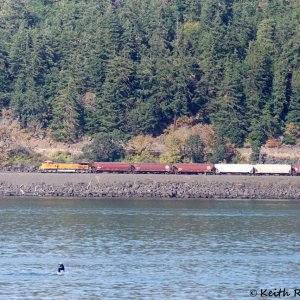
[[62, 157], [105, 147], [22, 156]]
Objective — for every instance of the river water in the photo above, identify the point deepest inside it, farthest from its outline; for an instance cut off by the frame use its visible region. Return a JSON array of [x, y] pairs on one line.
[[126, 249]]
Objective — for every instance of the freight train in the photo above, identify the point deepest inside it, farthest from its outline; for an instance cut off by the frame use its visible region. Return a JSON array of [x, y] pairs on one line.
[[174, 168]]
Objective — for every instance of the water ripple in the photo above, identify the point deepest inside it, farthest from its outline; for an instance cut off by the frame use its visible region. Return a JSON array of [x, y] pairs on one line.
[[125, 249]]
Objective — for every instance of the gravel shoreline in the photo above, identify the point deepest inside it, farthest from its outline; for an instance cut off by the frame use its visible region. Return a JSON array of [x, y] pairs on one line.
[[150, 186]]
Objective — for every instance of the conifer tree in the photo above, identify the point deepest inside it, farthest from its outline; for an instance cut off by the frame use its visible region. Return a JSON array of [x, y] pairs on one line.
[[229, 117], [194, 149], [117, 98], [258, 90], [65, 122], [146, 115], [293, 116], [28, 103], [5, 81]]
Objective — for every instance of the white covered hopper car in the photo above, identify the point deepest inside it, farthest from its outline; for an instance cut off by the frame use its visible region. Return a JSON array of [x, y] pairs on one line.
[[273, 169], [234, 169]]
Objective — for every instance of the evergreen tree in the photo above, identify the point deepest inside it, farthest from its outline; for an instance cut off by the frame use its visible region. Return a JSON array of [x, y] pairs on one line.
[[258, 90], [5, 81], [117, 97], [194, 149], [221, 152], [293, 116], [212, 52], [29, 105], [65, 122], [229, 118]]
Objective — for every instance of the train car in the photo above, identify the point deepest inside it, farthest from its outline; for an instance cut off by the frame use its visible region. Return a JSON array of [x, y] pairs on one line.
[[273, 169], [234, 169], [51, 167], [48, 166], [296, 170], [193, 168], [111, 167], [151, 168]]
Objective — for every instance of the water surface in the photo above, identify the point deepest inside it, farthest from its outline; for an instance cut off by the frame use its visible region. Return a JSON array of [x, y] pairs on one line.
[[126, 249]]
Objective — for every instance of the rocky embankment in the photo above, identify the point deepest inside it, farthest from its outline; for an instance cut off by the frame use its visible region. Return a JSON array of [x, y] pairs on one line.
[[150, 186]]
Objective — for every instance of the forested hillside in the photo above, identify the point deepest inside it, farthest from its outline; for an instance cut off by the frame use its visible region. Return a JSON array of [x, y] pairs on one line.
[[129, 67]]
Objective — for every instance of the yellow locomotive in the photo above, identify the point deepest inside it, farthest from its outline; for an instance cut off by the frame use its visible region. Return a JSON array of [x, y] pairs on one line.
[[51, 167]]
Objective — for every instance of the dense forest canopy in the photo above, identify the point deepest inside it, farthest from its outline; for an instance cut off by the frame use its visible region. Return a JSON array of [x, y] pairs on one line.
[[134, 66]]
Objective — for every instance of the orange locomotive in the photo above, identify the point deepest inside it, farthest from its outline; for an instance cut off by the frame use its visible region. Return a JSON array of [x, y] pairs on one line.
[[51, 167]]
